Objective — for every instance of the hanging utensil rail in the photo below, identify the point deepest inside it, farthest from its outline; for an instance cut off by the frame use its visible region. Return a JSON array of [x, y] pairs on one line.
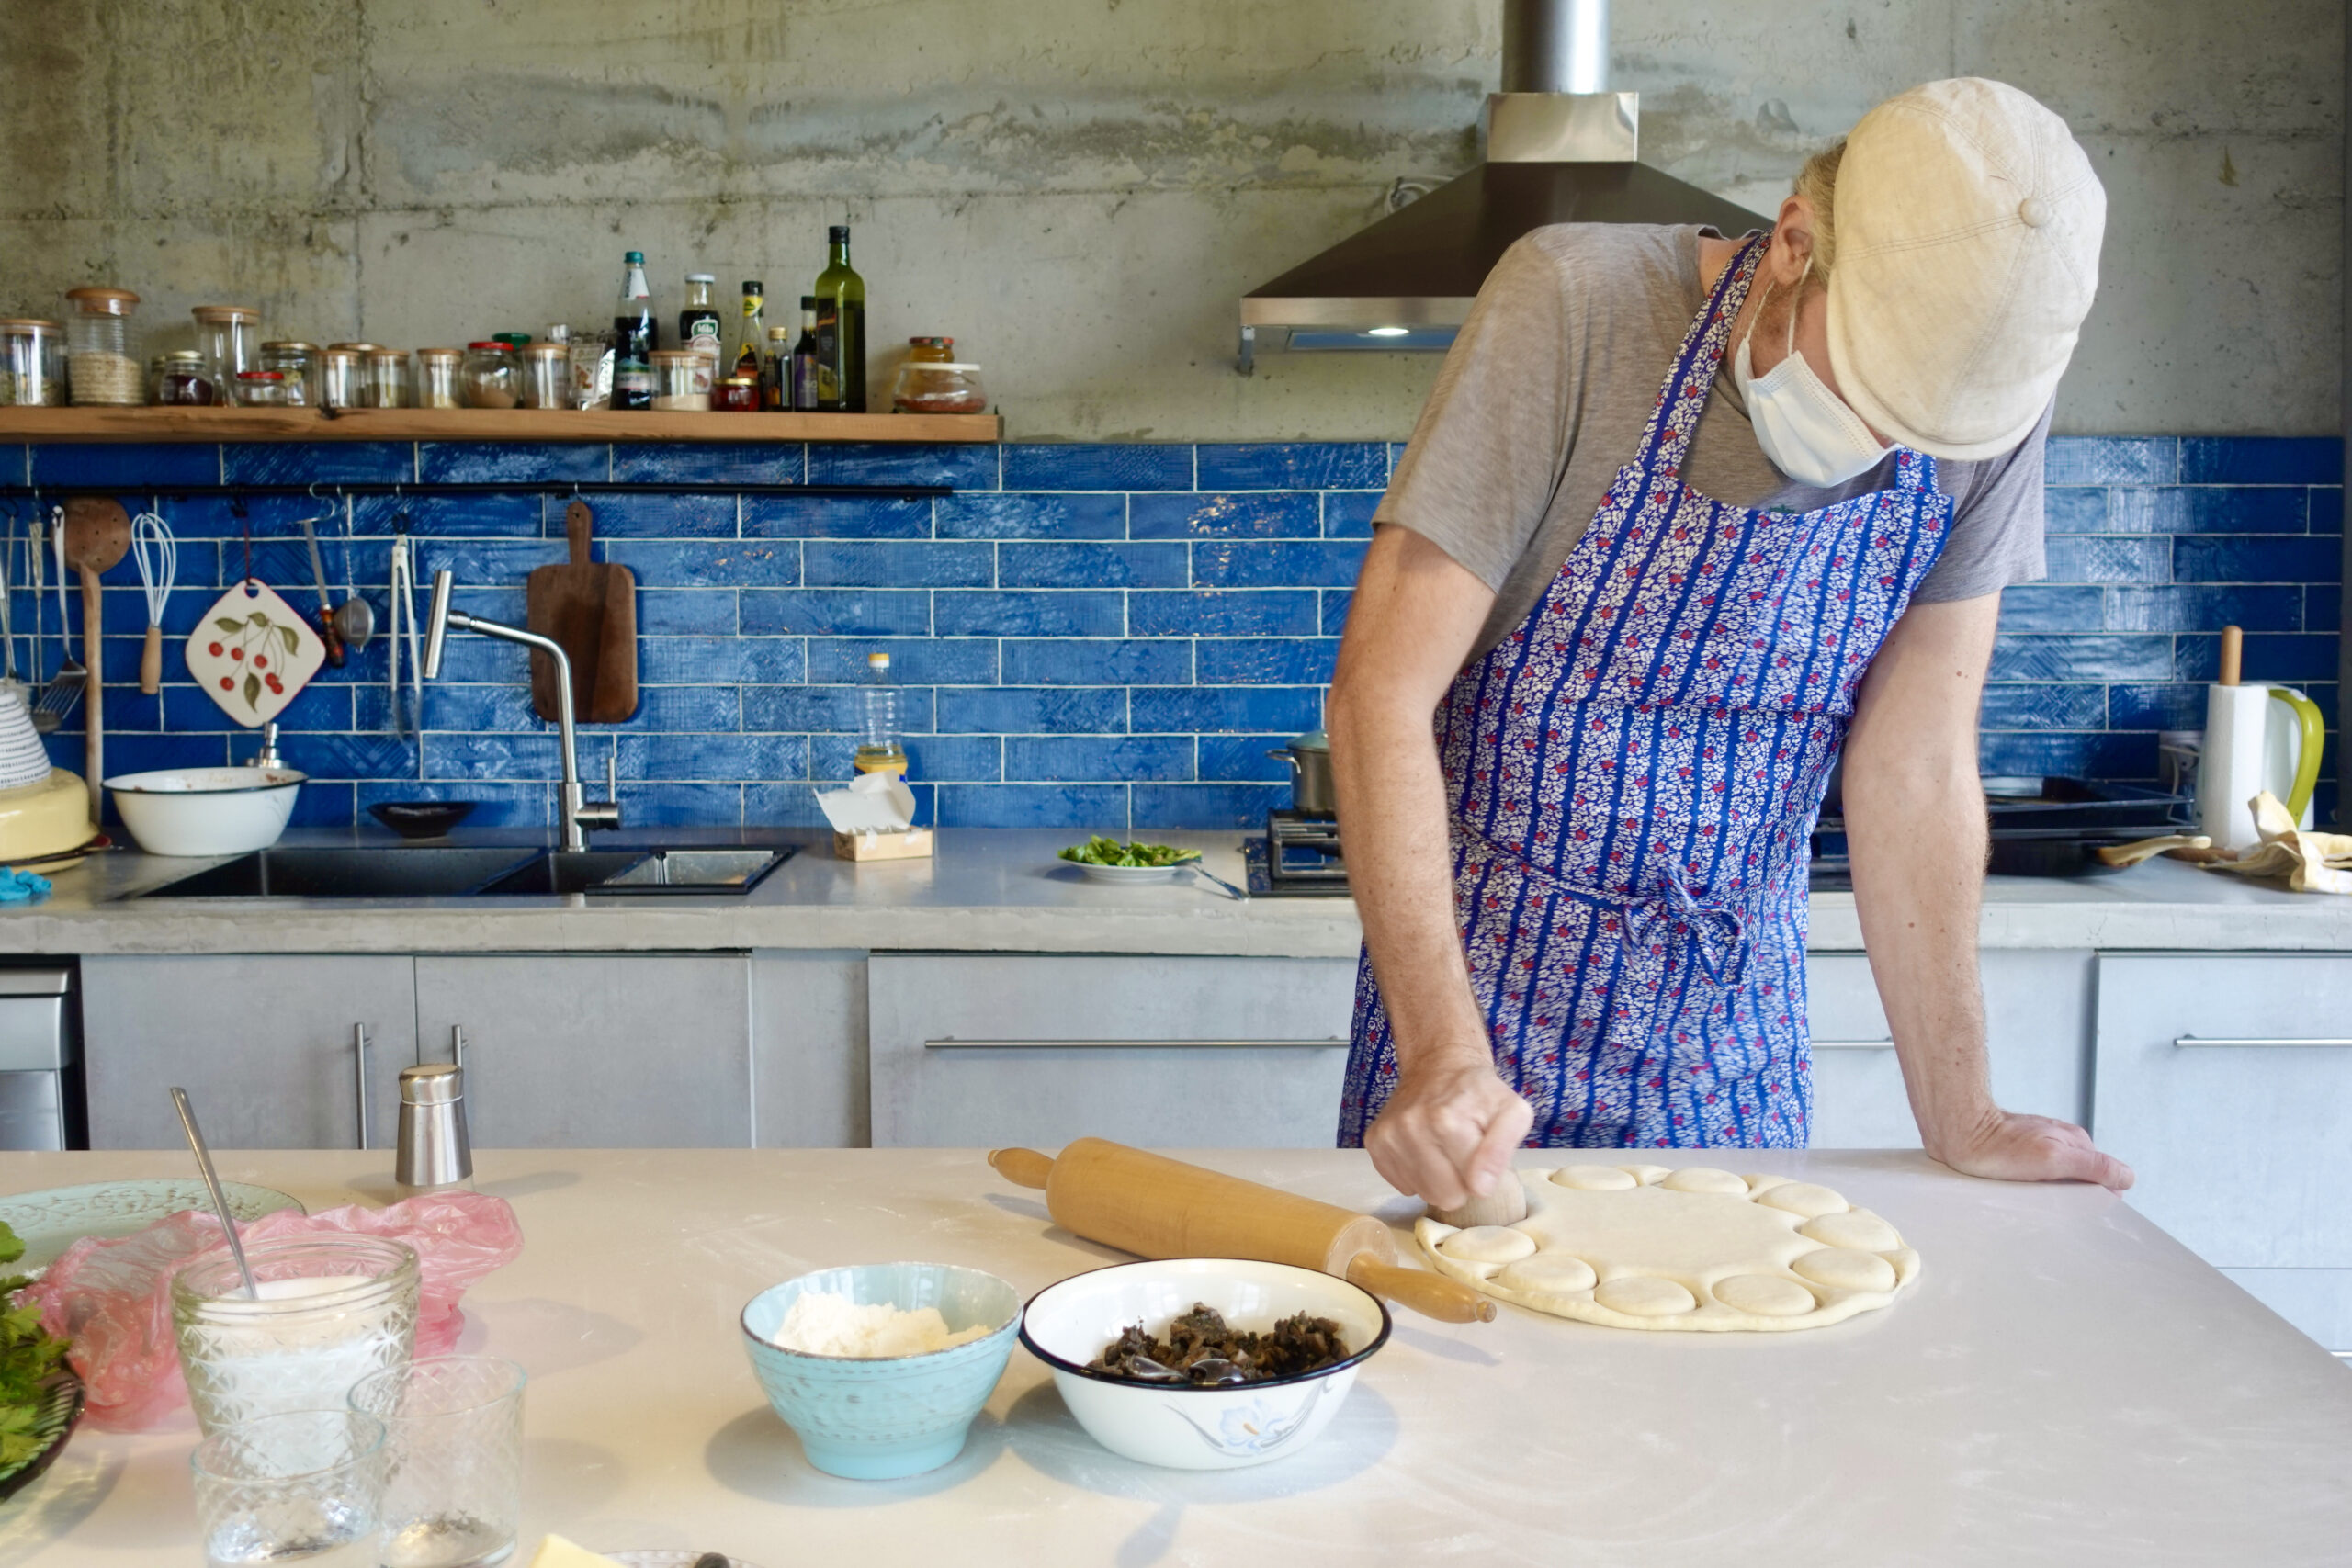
[[326, 488]]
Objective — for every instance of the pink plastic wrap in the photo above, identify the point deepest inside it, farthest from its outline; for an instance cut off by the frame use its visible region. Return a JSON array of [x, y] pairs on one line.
[[113, 1298]]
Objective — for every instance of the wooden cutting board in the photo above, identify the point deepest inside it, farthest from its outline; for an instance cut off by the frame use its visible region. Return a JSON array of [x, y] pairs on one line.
[[590, 609]]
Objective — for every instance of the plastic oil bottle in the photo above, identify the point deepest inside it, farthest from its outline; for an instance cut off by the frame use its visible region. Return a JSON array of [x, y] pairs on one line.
[[881, 747]]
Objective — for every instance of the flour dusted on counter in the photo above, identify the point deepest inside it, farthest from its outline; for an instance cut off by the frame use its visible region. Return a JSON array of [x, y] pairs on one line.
[[819, 1325]]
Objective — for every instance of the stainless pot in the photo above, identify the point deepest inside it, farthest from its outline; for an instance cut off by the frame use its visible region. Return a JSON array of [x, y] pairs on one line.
[[1311, 789]]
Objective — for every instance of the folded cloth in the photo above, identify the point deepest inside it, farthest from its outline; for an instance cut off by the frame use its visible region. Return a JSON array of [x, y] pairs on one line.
[[112, 1297], [19, 887], [2311, 862]]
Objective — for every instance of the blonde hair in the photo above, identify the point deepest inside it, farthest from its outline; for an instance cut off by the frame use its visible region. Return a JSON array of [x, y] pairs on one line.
[[1817, 183]]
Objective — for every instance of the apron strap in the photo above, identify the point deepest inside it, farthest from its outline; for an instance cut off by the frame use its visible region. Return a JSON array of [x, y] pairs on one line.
[[1674, 419], [1717, 933]]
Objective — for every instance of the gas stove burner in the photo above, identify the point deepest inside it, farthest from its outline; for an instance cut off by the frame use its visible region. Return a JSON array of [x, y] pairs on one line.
[[1302, 847]]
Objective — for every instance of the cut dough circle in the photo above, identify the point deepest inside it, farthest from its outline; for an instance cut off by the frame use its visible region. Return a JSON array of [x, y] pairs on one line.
[[1706, 1179], [1846, 1269], [1803, 1199], [1550, 1274], [1594, 1178], [1488, 1244], [1766, 1295], [1644, 1295], [1855, 1227]]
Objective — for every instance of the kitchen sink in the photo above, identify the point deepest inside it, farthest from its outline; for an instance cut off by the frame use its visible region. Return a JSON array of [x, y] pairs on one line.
[[515, 871]]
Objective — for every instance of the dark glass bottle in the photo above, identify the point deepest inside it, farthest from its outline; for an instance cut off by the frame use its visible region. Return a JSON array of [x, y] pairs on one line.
[[698, 324], [747, 351], [841, 329], [634, 339], [803, 388]]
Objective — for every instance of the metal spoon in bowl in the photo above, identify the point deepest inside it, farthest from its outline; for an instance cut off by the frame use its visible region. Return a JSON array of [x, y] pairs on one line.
[[212, 1183]]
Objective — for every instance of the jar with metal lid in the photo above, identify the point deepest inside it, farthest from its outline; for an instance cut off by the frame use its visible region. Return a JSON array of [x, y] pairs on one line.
[[513, 341], [491, 378], [547, 375], [343, 379], [737, 394], [931, 350], [299, 363], [230, 336], [183, 379], [677, 373], [32, 363], [101, 361], [386, 385], [261, 388], [436, 378]]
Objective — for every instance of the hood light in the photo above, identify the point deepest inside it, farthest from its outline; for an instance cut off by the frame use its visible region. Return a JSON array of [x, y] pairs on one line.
[[1388, 331]]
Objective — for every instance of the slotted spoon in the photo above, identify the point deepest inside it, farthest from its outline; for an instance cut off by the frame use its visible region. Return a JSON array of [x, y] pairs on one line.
[[65, 687]]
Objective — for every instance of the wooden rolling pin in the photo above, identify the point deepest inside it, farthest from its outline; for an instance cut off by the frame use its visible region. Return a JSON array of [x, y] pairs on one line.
[[1158, 1207]]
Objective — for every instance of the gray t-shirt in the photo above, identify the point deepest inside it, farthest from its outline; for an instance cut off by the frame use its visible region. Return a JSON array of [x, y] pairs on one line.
[[1543, 397]]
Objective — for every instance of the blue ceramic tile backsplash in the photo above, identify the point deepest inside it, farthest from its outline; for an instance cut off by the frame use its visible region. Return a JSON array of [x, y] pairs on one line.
[[1103, 636]]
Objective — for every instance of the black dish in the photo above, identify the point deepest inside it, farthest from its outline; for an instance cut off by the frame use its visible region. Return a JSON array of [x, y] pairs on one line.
[[420, 819], [56, 1412]]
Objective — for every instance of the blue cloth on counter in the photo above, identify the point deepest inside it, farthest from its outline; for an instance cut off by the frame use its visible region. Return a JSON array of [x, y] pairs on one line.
[[22, 888]]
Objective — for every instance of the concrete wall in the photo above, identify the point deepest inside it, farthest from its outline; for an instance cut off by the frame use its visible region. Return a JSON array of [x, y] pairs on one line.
[[1080, 189]]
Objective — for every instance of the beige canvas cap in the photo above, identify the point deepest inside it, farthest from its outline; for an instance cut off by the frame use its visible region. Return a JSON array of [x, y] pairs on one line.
[[1968, 225]]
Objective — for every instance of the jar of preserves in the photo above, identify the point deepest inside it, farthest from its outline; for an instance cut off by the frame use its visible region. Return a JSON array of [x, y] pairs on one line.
[[183, 379], [677, 373], [490, 378], [101, 361], [388, 385], [547, 375], [299, 363], [261, 388], [437, 371], [938, 385], [343, 379], [230, 337], [32, 363], [737, 394]]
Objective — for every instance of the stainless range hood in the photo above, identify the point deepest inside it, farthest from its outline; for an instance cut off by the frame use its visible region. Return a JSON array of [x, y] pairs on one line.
[[1561, 148]]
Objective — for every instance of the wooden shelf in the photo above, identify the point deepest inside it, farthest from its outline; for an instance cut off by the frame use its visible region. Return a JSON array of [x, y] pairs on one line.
[[482, 424]]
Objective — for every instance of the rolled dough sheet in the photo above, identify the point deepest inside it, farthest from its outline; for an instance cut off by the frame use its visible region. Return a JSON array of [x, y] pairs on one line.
[[1694, 1251]]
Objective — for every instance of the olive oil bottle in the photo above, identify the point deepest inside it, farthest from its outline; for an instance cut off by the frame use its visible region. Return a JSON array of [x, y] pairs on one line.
[[841, 329]]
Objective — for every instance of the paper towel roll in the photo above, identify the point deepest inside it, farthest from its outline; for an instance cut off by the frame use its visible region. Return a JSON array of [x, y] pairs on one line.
[[2238, 762]]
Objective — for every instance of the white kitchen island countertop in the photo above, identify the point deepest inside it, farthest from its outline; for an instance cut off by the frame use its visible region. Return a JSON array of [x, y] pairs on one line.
[[993, 890], [2063, 1384]]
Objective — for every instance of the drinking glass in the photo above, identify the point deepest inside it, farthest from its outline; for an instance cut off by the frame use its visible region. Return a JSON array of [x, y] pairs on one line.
[[453, 1458], [333, 1308], [299, 1486]]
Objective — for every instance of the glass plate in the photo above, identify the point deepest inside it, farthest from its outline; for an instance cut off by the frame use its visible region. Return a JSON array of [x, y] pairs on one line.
[[1134, 873], [54, 1415], [50, 1221]]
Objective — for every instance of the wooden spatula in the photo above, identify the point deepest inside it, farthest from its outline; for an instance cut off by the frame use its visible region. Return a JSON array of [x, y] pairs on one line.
[[97, 535], [590, 609], [1158, 1207]]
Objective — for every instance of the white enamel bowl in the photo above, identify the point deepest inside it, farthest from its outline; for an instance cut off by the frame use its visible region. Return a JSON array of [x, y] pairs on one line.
[[1180, 1427], [206, 811]]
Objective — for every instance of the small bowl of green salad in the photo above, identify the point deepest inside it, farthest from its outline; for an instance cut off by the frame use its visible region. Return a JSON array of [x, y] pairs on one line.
[[1108, 860]]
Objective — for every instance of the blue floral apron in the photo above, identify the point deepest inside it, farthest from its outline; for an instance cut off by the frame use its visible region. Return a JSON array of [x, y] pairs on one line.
[[1633, 777]]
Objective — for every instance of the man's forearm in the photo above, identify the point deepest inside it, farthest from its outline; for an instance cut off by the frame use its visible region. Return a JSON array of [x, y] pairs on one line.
[[1391, 813]]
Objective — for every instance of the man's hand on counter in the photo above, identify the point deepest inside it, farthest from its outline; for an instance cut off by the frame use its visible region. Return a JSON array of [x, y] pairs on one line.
[[2007, 1147], [1448, 1133]]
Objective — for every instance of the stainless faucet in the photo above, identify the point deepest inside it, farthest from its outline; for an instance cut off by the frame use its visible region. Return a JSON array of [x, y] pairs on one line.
[[580, 814]]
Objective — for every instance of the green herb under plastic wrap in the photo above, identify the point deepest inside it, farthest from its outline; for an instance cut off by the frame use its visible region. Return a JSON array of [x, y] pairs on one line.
[[28, 1355], [1110, 852]]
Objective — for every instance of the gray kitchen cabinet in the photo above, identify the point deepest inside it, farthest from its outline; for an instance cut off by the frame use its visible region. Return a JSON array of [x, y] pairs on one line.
[[1201, 1053], [264, 1045], [595, 1051], [809, 1089], [2037, 1028]]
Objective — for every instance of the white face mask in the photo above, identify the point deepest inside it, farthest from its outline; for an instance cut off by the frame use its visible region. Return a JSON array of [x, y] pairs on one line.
[[1805, 429]]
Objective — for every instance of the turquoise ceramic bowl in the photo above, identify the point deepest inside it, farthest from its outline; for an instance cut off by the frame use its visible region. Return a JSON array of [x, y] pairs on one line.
[[880, 1418]]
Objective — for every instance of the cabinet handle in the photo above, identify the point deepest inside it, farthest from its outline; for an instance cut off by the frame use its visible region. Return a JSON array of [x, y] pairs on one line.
[[1853, 1044], [2190, 1042], [951, 1044], [359, 1057], [458, 1048]]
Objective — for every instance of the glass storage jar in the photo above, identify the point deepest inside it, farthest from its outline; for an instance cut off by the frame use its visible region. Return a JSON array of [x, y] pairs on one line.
[[183, 381], [343, 379], [230, 337], [331, 1309], [936, 385], [101, 362], [491, 378], [437, 376], [546, 376], [677, 381], [388, 385], [261, 388], [362, 349], [299, 363], [737, 394], [32, 363]]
